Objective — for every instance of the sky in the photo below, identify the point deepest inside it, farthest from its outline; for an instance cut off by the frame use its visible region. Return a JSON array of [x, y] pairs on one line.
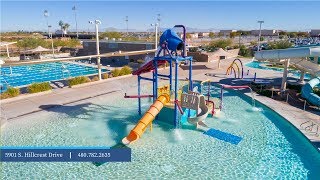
[[284, 15]]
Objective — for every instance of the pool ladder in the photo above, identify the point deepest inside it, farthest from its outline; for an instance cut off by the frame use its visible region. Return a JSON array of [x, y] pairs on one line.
[[311, 127]]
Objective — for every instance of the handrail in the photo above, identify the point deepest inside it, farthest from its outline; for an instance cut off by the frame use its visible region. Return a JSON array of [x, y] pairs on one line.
[[202, 82], [207, 102], [209, 87], [137, 96], [234, 87], [178, 105]]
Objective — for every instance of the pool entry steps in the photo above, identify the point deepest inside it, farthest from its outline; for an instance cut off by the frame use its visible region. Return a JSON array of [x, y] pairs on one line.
[[223, 136]]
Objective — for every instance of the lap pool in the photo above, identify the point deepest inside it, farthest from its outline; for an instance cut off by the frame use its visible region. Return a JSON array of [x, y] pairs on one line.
[[271, 147], [27, 74]]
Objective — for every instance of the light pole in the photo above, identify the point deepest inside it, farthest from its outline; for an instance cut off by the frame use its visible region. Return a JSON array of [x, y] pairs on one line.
[[240, 39], [96, 23], [46, 15], [75, 18], [159, 19], [127, 24], [156, 31], [260, 22], [50, 36]]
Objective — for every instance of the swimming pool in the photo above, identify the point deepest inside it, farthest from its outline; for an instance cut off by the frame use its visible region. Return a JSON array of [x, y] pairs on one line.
[[27, 74], [271, 147], [262, 65]]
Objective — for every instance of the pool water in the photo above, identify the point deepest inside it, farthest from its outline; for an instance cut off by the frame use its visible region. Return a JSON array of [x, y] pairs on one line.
[[271, 147], [261, 65], [28, 74]]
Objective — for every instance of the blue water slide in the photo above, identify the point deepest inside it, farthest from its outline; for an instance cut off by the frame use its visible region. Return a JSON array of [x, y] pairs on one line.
[[308, 94], [173, 40]]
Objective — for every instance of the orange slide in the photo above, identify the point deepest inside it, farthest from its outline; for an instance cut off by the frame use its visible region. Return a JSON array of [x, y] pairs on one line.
[[146, 119]]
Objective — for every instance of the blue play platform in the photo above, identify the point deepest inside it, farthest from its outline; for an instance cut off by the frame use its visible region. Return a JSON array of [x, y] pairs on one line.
[[223, 136]]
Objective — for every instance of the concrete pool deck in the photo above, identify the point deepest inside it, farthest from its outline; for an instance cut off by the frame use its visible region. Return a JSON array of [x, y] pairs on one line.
[[17, 109]]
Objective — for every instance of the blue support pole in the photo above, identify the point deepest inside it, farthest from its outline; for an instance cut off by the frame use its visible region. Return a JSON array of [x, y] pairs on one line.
[[190, 75], [156, 78], [153, 86], [170, 80], [176, 95], [139, 99]]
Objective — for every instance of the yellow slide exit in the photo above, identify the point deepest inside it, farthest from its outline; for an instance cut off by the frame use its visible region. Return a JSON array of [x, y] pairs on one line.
[[146, 119]]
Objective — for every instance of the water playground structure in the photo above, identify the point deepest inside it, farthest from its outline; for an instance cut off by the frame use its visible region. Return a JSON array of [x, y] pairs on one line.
[[192, 105], [235, 66], [304, 59]]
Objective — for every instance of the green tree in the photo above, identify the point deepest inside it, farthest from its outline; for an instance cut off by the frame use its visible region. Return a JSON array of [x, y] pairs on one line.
[[292, 34], [111, 35], [65, 26], [302, 34], [244, 33], [61, 24], [31, 43], [280, 44], [193, 49], [233, 34], [221, 43], [211, 34], [245, 52], [188, 36], [282, 33]]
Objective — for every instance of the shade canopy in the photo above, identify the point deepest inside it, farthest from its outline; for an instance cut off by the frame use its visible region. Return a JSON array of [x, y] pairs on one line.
[[221, 52], [39, 49]]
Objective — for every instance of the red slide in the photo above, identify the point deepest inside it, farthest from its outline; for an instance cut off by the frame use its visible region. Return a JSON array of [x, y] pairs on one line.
[[148, 67]]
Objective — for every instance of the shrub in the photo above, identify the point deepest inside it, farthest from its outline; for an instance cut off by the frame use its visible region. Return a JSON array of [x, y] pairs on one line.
[[221, 43], [115, 72], [294, 87], [267, 93], [95, 78], [39, 87], [245, 52], [283, 44], [78, 80], [193, 49], [105, 76], [316, 91], [10, 92], [125, 70]]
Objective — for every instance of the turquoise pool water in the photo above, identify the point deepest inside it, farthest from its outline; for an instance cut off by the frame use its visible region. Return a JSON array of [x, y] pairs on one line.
[[261, 65], [271, 148], [28, 74]]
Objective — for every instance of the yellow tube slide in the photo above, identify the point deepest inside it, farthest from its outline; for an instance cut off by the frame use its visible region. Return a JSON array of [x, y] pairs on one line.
[[146, 119]]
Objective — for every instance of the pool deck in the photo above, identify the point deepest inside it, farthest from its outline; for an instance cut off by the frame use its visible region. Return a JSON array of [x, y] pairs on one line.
[[16, 109]]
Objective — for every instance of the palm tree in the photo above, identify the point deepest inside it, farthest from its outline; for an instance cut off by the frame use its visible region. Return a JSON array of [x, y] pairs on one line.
[[61, 24], [61, 27], [65, 27]]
